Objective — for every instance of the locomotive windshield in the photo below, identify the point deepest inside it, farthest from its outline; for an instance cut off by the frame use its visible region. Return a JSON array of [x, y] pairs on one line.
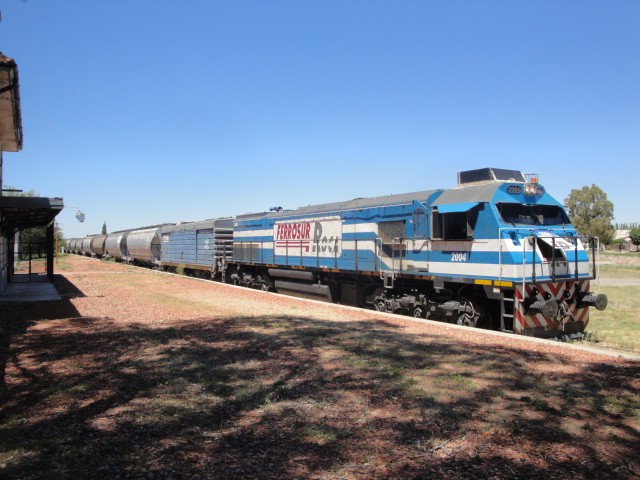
[[521, 214]]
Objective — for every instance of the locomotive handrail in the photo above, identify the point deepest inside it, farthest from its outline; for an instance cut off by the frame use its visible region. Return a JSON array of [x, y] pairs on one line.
[[534, 244], [532, 240], [589, 243], [595, 252], [501, 231], [553, 259], [575, 258]]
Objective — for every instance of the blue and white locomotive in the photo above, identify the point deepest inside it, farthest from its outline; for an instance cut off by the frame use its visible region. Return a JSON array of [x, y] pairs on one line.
[[496, 252]]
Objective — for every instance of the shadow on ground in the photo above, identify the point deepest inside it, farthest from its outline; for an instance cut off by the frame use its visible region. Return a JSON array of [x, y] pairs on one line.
[[17, 317], [283, 397]]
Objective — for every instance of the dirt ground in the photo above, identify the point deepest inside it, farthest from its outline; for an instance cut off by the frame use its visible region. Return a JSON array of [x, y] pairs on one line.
[[138, 374], [616, 258]]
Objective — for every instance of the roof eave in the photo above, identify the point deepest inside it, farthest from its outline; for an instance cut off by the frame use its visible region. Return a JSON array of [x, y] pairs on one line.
[[10, 113]]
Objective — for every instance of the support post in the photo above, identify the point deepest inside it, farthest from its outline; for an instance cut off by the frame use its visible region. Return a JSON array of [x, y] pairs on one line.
[[50, 252]]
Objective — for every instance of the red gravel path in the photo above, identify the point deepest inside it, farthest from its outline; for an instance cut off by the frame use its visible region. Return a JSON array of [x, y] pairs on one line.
[[138, 374]]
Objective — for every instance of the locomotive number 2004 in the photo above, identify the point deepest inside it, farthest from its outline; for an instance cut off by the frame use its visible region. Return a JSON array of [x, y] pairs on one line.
[[459, 257]]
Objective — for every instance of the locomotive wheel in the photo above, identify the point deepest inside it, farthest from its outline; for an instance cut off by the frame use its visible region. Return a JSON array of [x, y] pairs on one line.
[[419, 311], [380, 306], [264, 287]]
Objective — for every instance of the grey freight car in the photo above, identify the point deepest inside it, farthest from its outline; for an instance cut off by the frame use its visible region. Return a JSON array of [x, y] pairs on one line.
[[116, 245], [71, 244], [143, 246], [97, 245], [85, 248]]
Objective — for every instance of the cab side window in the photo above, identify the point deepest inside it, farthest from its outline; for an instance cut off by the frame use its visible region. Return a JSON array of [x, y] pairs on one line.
[[453, 225]]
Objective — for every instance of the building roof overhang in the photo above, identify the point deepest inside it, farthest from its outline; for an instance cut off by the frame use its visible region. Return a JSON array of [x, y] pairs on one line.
[[10, 116], [18, 213]]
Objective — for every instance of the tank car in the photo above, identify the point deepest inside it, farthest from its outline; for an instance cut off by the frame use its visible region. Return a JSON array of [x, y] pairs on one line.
[[143, 246], [496, 252], [115, 245], [197, 248], [97, 246], [85, 246], [70, 244]]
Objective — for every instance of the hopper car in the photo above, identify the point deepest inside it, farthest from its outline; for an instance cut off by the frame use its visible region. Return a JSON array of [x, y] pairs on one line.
[[116, 245], [97, 245]]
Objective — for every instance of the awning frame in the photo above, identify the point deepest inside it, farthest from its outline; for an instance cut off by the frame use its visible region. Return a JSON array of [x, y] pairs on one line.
[[19, 213]]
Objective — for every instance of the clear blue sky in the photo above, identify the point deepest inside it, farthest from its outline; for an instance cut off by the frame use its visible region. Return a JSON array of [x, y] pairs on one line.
[[141, 112]]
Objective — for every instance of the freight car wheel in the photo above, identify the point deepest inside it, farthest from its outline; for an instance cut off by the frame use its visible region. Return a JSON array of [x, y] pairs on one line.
[[419, 311]]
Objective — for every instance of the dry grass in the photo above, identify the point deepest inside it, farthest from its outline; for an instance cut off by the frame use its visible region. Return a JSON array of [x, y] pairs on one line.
[[618, 326]]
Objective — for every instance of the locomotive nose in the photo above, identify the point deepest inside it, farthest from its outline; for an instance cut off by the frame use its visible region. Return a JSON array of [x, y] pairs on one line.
[[547, 308]]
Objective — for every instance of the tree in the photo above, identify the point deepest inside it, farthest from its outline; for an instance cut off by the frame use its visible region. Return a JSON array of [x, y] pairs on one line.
[[635, 237], [591, 213], [104, 228]]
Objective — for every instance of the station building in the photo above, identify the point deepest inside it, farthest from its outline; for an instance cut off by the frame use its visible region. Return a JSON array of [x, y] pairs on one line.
[[19, 213]]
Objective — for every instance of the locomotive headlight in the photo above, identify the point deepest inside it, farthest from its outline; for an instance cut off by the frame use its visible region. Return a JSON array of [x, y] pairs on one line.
[[530, 189]]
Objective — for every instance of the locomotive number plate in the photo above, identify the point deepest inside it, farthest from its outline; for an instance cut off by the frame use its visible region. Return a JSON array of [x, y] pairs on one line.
[[459, 256]]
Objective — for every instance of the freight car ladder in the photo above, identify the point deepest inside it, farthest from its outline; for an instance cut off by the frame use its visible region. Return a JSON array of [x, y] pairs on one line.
[[508, 305], [507, 311], [222, 249]]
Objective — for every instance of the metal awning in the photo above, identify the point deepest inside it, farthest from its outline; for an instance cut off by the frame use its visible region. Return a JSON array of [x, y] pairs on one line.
[[456, 207], [18, 213]]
